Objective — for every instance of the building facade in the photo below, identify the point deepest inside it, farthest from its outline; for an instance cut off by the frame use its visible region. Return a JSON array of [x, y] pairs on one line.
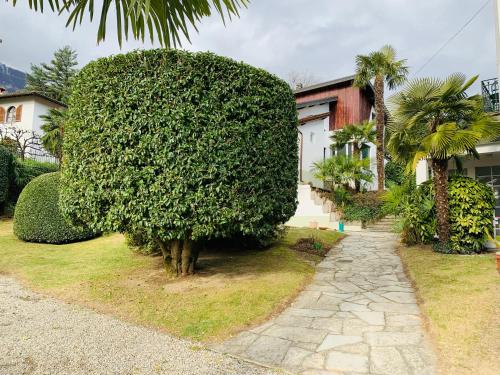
[[323, 109], [20, 116]]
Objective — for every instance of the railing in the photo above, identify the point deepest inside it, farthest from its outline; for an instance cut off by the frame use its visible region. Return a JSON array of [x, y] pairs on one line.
[[490, 95]]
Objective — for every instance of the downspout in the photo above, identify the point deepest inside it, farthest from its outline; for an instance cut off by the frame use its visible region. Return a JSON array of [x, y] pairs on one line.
[[300, 154]]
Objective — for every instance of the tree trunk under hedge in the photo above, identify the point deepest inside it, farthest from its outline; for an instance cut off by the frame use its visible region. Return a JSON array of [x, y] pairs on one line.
[[440, 168], [180, 256]]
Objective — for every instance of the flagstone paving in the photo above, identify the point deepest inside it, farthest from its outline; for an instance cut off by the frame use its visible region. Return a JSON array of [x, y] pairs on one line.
[[358, 316]]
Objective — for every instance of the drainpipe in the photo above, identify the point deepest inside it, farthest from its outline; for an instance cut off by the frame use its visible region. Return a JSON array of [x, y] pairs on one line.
[[301, 136]]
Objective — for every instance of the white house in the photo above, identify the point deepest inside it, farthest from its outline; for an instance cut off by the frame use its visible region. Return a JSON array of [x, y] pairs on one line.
[[22, 111]]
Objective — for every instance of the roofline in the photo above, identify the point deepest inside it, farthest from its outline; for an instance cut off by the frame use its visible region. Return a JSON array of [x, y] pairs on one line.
[[32, 93], [311, 103], [334, 82]]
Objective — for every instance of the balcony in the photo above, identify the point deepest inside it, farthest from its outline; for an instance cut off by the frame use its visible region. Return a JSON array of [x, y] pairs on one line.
[[489, 88]]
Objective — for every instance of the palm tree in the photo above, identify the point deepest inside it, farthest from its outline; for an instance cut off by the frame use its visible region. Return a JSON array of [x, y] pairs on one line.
[[359, 135], [170, 19], [435, 119], [343, 171], [381, 66], [53, 128]]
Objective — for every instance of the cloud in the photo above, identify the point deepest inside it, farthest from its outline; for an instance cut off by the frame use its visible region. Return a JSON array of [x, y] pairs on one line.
[[319, 37]]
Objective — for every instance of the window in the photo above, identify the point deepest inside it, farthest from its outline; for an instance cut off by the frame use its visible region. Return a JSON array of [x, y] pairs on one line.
[[11, 115], [491, 177]]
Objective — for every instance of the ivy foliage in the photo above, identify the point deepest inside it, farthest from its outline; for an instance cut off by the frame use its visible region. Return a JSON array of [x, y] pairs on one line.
[[6, 167], [37, 217], [366, 207], [180, 145], [472, 204]]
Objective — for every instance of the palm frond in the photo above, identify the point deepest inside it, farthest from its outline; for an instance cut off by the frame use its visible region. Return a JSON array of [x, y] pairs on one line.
[[167, 20]]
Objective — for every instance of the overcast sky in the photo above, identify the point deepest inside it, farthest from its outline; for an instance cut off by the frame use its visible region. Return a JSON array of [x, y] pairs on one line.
[[318, 37]]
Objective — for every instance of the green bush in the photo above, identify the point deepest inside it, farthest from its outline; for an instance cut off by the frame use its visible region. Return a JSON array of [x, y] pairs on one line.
[[27, 169], [394, 173], [472, 204], [37, 217], [139, 241], [365, 207], [419, 224], [187, 146], [6, 174]]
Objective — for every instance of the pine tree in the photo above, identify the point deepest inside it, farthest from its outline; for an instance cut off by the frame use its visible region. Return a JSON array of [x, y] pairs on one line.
[[54, 79]]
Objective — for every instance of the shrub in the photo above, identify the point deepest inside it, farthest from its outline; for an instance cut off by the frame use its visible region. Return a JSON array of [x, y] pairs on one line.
[[140, 241], [471, 203], [6, 174], [27, 169], [394, 173], [365, 207], [37, 217], [397, 196], [419, 224], [187, 146]]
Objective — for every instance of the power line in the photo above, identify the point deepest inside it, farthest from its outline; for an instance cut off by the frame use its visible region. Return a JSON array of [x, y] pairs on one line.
[[453, 36]]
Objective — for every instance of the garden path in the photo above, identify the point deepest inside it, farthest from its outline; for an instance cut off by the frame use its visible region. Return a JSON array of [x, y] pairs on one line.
[[39, 335], [359, 316]]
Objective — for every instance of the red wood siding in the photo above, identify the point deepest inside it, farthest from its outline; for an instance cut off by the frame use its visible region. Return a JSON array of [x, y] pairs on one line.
[[353, 105]]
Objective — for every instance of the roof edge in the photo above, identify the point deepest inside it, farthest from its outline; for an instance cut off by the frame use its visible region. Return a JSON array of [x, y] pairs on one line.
[[21, 94]]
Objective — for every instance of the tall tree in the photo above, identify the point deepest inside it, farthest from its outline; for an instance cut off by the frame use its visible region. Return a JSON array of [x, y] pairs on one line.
[[436, 120], [359, 135], [384, 68], [170, 20], [54, 79]]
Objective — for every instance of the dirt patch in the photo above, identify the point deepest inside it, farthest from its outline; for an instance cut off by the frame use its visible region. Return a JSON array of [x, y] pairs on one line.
[[311, 245]]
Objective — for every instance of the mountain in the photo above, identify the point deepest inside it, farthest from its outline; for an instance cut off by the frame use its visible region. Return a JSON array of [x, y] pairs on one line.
[[12, 79]]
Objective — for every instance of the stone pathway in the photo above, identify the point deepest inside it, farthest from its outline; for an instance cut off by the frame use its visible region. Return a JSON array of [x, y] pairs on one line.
[[359, 316]]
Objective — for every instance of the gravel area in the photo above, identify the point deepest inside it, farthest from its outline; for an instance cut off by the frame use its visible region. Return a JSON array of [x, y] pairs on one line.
[[39, 335]]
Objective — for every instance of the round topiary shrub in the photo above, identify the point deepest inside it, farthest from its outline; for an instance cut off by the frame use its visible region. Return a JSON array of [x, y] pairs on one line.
[[37, 217], [185, 146]]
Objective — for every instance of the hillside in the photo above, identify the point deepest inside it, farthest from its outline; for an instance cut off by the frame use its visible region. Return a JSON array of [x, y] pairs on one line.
[[12, 79]]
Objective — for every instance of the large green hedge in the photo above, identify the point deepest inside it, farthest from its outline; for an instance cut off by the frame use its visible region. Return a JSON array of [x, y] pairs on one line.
[[472, 205], [6, 173], [186, 146], [37, 217]]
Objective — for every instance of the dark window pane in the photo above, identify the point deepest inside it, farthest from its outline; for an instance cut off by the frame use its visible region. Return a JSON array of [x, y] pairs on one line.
[[496, 170], [483, 171]]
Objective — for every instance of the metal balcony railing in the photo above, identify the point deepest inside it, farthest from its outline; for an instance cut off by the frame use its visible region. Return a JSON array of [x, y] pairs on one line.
[[490, 95]]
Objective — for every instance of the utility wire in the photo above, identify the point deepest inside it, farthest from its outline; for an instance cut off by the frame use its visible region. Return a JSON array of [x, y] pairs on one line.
[[453, 36]]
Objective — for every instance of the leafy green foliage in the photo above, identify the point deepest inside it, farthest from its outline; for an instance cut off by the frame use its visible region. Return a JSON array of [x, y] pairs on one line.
[[139, 240], [26, 170], [169, 19], [54, 79], [365, 207], [359, 135], [181, 145], [472, 205], [53, 129], [343, 171], [397, 197], [6, 173], [381, 63], [395, 173], [419, 216], [37, 217]]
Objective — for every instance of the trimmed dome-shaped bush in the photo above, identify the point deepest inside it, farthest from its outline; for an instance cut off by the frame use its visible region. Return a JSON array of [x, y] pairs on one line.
[[37, 217]]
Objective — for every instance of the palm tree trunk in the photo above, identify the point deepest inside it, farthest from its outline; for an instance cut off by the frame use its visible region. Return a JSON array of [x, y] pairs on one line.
[[380, 125], [356, 154], [440, 168]]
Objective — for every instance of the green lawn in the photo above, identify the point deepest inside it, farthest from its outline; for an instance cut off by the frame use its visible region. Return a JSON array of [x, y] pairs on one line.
[[461, 299], [234, 289]]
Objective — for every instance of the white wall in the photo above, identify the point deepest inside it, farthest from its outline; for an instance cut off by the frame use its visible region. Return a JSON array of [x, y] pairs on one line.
[[316, 136], [28, 112]]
